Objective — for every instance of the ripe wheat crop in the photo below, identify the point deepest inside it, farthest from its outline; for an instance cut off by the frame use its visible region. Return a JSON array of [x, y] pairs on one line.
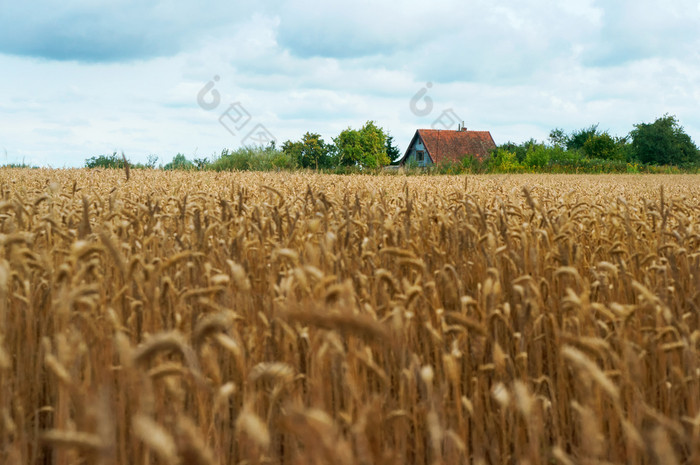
[[277, 318]]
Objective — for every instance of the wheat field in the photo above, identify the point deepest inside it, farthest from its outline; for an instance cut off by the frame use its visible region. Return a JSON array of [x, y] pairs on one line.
[[297, 318]]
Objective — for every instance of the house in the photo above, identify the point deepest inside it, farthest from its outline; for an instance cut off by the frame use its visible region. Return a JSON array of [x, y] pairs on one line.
[[433, 146]]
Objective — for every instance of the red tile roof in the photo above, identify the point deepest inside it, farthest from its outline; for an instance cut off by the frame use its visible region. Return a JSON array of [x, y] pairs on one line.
[[443, 145]]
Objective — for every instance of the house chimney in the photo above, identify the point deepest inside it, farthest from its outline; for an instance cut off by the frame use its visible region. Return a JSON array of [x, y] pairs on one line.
[[463, 127]]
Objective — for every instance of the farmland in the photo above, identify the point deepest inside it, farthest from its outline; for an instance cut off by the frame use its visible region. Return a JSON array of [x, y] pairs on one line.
[[296, 318]]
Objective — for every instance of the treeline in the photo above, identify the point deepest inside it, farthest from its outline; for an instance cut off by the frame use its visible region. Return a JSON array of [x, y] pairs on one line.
[[658, 147], [661, 146], [367, 148]]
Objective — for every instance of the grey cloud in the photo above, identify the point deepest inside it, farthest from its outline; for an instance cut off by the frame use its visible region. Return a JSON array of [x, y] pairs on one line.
[[117, 31], [448, 42]]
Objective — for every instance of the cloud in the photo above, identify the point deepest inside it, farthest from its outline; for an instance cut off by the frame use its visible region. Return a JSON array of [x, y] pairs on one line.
[[633, 30], [362, 28], [117, 30], [444, 41], [125, 75]]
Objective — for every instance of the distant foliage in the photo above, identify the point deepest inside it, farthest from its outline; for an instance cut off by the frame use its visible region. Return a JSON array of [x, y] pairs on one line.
[[200, 163], [577, 139], [537, 156], [310, 152], [253, 159], [504, 161], [19, 165], [116, 161], [152, 161], [365, 147], [664, 142], [658, 147], [392, 151], [180, 162], [105, 161], [558, 137], [520, 150], [605, 146]]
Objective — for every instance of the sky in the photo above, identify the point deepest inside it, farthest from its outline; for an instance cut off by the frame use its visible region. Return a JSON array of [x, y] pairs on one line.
[[81, 78]]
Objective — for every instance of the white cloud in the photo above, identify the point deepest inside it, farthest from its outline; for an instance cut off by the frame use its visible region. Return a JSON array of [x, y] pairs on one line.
[[639, 29]]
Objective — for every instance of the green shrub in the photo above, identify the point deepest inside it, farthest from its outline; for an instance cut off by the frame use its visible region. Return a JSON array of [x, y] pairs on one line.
[[633, 168], [471, 164], [180, 162], [106, 161], [504, 161], [606, 147], [664, 142], [537, 157], [253, 159]]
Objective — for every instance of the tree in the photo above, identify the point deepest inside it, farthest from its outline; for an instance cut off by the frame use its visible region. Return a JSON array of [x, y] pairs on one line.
[[605, 147], [577, 138], [152, 160], [180, 162], [349, 147], [504, 161], [200, 163], [365, 147], [663, 142], [520, 150], [537, 156], [558, 137], [392, 151], [106, 161], [310, 152]]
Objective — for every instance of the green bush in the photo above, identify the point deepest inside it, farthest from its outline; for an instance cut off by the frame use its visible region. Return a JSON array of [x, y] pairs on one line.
[[19, 165], [447, 167], [537, 157], [238, 160], [664, 142], [605, 146], [115, 161], [504, 161], [106, 161], [364, 147], [589, 165], [577, 139], [180, 162], [471, 164], [520, 150], [253, 159], [310, 152]]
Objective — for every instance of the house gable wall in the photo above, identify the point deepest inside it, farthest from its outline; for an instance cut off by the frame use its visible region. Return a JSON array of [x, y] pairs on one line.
[[411, 157]]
